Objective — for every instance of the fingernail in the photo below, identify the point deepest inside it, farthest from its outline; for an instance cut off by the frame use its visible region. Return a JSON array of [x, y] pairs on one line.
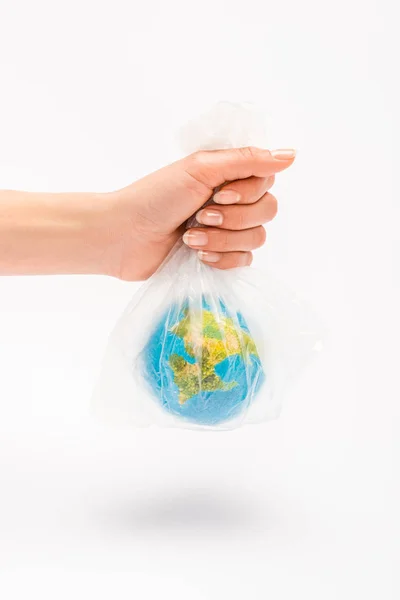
[[195, 238], [209, 217], [227, 197], [283, 154], [211, 257]]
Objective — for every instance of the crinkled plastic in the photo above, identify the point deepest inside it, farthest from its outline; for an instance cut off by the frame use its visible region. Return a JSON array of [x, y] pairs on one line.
[[203, 348]]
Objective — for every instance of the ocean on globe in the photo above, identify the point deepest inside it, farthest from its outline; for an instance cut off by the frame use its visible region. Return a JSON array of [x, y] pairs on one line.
[[201, 362]]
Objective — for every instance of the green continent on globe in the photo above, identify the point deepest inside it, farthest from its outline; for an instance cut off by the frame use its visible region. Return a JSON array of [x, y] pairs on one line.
[[209, 341]]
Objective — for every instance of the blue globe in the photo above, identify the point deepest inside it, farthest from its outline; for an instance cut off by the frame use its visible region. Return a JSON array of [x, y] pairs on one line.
[[201, 363]]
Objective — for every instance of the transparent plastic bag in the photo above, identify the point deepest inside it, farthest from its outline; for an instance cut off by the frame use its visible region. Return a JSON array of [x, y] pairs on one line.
[[203, 348]]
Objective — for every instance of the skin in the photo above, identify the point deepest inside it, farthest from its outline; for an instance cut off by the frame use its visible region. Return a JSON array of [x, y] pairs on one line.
[[129, 232]]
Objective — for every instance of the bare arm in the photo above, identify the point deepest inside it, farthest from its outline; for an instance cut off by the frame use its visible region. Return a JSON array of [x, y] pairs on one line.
[[51, 233], [129, 232]]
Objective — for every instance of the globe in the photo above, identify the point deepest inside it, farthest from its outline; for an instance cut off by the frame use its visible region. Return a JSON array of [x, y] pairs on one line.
[[201, 362]]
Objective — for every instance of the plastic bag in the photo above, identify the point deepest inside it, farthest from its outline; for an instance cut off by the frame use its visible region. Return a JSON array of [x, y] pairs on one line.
[[203, 348]]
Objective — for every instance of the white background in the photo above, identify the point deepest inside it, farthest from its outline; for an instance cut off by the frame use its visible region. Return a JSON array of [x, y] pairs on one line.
[[91, 94]]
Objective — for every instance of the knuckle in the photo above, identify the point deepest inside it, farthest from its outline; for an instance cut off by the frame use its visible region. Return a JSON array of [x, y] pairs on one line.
[[271, 207], [235, 262], [223, 241], [259, 237], [197, 166], [197, 158], [274, 207], [197, 162], [270, 182], [248, 152], [240, 220]]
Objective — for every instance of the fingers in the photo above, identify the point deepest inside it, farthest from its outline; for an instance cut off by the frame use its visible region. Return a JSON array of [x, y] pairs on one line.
[[237, 217], [228, 260], [215, 167], [220, 240], [244, 191], [234, 230]]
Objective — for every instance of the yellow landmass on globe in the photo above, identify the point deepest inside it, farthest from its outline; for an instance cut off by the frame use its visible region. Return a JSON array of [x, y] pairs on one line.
[[209, 341]]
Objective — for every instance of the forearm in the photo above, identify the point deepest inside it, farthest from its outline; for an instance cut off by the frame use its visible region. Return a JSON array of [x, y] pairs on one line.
[[52, 233]]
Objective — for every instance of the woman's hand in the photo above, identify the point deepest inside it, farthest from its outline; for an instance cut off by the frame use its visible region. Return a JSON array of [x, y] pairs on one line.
[[145, 219], [128, 233]]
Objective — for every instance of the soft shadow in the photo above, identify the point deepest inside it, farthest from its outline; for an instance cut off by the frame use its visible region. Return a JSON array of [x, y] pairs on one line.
[[189, 511]]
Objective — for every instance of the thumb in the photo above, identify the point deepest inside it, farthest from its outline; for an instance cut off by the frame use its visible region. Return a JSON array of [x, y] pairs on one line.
[[171, 195], [216, 167]]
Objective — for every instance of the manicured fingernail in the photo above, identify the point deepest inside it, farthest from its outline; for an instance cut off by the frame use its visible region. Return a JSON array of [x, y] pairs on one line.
[[195, 238], [227, 197], [209, 217], [211, 257], [283, 154]]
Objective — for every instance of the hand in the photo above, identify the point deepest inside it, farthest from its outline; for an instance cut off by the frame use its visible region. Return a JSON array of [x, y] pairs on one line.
[[145, 219]]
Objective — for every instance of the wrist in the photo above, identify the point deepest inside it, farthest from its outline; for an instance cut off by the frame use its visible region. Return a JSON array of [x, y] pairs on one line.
[[110, 231]]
